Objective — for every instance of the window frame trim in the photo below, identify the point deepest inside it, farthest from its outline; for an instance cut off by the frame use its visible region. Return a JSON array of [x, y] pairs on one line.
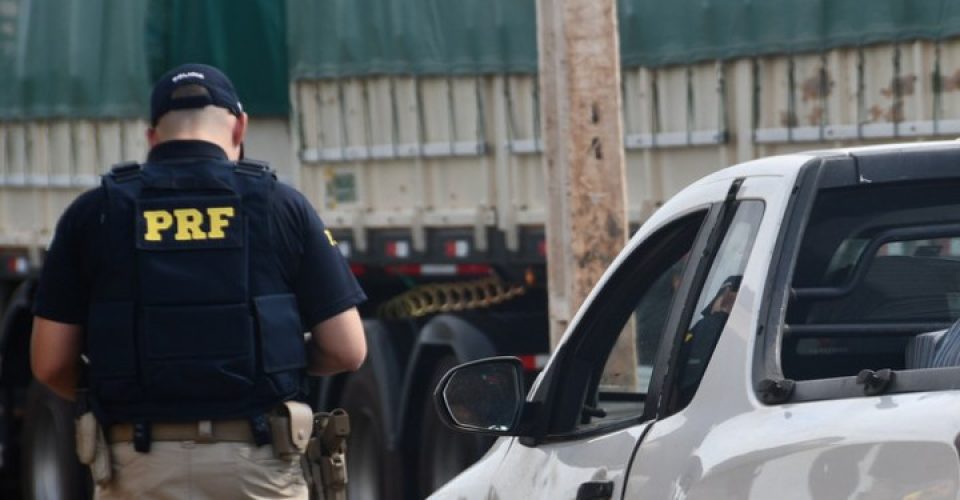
[[776, 292], [722, 229], [557, 379], [714, 227], [821, 173], [665, 373]]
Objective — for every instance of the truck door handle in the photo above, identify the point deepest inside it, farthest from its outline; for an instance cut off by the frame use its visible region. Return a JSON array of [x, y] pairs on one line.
[[595, 490]]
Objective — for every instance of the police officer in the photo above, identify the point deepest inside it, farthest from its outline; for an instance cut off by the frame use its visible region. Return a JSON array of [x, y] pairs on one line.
[[187, 283]]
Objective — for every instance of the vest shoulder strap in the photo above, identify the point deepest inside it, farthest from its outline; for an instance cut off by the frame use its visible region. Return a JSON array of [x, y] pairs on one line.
[[125, 171], [255, 168]]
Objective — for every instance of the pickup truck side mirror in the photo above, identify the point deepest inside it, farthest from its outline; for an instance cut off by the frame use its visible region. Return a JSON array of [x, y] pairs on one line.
[[482, 397]]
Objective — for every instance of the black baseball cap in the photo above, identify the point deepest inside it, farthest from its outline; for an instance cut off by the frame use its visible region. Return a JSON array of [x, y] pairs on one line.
[[215, 89], [733, 282]]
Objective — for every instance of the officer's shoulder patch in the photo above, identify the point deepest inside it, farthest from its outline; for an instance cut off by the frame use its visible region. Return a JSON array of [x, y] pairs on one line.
[[330, 238], [189, 223]]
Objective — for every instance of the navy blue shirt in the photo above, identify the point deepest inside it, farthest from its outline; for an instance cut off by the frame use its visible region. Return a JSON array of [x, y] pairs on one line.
[[312, 264]]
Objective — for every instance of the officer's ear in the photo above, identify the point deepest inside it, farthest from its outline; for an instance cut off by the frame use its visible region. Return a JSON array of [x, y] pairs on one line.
[[240, 129], [152, 137]]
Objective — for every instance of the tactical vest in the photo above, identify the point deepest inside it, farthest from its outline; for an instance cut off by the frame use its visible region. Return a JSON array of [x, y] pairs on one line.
[[190, 318]]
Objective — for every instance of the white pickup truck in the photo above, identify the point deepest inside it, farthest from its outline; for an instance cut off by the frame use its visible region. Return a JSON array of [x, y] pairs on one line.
[[804, 306]]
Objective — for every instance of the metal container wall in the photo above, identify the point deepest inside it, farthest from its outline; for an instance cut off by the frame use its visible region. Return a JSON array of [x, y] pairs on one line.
[[419, 153], [45, 164], [464, 152]]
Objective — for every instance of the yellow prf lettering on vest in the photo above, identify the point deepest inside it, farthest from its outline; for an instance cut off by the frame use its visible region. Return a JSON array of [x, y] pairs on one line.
[[219, 220], [157, 220], [188, 223]]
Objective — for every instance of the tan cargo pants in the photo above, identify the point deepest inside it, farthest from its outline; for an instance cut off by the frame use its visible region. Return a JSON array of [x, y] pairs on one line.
[[188, 470]]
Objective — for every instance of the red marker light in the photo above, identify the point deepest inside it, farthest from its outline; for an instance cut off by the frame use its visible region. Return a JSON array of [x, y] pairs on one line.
[[456, 248], [474, 269], [403, 269], [399, 249]]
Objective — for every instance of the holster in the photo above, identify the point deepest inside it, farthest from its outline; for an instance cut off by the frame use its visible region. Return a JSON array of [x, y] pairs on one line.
[[327, 454], [291, 427], [92, 448]]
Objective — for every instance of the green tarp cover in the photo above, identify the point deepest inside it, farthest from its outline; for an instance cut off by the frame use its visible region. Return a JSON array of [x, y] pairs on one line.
[[244, 38], [330, 38], [333, 38], [71, 58], [656, 33], [99, 58]]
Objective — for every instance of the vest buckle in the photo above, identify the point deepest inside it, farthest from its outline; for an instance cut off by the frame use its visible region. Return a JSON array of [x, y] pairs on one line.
[[261, 430], [142, 437]]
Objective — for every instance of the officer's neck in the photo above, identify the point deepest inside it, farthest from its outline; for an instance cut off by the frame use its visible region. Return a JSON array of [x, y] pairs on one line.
[[186, 148], [226, 145]]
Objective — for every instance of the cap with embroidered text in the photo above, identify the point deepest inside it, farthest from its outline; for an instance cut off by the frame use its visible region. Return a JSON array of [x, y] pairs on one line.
[[210, 87]]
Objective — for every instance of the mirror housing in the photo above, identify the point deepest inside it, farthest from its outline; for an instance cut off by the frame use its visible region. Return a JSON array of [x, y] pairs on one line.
[[482, 397]]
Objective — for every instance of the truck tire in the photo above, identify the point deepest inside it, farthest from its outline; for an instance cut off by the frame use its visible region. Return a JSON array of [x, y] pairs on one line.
[[444, 452], [50, 467], [371, 471]]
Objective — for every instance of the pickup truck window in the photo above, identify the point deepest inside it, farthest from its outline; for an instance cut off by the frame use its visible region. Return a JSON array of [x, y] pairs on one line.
[[715, 301], [879, 264], [647, 322], [715, 294], [637, 300]]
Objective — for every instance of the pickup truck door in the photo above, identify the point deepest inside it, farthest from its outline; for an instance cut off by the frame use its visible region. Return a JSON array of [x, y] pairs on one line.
[[830, 436], [591, 428], [714, 416]]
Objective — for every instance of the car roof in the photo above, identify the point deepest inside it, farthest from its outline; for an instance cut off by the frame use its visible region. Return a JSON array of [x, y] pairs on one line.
[[790, 164]]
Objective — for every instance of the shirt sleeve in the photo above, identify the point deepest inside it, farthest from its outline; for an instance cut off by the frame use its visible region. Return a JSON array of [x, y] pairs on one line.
[[63, 293], [324, 284]]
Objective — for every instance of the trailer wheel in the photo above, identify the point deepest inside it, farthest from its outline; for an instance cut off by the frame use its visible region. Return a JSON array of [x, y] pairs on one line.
[[444, 452], [50, 467], [371, 474]]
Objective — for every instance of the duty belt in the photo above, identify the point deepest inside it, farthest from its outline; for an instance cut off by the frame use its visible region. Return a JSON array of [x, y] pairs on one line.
[[203, 431]]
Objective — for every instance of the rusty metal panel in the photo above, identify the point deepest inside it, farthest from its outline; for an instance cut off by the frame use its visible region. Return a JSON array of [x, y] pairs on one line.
[[880, 92], [947, 100]]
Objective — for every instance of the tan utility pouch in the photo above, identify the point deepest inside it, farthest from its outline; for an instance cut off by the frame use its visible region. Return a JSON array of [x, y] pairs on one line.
[[86, 430], [291, 428], [327, 453], [92, 448]]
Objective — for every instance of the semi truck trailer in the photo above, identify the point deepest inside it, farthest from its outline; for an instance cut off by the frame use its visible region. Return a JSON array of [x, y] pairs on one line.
[[431, 182]]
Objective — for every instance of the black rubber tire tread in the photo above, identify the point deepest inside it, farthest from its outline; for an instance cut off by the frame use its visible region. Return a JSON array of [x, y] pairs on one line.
[[49, 419], [361, 400], [462, 449]]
